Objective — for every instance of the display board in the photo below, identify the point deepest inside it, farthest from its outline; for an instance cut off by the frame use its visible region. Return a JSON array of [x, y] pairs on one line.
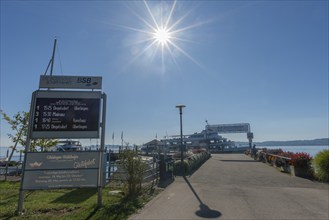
[[66, 114]]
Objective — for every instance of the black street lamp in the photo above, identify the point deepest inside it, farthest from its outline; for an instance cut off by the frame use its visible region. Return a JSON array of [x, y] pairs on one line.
[[181, 131]]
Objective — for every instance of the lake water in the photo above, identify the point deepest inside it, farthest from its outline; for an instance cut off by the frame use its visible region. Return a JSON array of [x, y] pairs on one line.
[[312, 150], [17, 156]]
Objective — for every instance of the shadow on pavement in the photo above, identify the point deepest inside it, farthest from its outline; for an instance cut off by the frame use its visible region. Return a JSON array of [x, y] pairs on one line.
[[205, 211]]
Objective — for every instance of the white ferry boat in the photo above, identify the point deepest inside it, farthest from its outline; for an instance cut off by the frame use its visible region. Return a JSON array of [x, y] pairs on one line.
[[68, 145]]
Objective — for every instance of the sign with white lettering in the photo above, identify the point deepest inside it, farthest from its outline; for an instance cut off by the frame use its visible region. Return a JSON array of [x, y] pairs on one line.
[[50, 170], [58, 179], [229, 128], [70, 82], [69, 114], [62, 160]]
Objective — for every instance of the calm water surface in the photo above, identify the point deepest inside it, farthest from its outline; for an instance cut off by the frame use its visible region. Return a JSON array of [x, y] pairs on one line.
[[312, 150]]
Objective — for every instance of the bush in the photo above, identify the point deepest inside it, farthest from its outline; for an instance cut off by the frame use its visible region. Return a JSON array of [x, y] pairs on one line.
[[181, 169], [135, 168], [301, 160], [321, 165], [190, 164]]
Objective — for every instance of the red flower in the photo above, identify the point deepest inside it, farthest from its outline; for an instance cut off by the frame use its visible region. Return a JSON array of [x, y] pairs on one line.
[[301, 159]]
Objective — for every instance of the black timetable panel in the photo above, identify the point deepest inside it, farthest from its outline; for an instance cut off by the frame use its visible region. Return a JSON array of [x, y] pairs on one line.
[[66, 114]]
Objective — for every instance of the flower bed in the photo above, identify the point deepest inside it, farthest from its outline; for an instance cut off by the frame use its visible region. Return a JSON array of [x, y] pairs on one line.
[[298, 164], [302, 160]]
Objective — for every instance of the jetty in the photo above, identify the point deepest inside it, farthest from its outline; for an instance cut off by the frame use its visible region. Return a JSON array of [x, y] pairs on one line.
[[235, 186]]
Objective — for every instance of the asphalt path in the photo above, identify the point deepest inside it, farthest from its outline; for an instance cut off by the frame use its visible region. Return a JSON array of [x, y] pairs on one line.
[[234, 186]]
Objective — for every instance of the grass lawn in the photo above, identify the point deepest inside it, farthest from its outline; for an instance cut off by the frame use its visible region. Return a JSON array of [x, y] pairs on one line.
[[69, 203]]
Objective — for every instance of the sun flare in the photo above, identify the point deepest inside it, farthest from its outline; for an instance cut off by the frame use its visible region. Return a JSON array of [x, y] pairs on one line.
[[163, 32], [162, 36]]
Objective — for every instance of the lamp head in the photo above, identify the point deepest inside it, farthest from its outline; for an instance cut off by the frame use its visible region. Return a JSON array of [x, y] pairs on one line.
[[180, 106]]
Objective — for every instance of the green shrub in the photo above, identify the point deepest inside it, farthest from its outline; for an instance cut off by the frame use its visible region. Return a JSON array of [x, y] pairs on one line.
[[190, 164], [135, 168], [181, 169], [321, 165]]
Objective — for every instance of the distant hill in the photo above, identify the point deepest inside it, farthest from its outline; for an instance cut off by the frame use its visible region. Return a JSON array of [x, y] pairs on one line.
[[322, 141]]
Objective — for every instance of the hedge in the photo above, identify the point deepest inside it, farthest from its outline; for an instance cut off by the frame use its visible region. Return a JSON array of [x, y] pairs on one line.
[[190, 164]]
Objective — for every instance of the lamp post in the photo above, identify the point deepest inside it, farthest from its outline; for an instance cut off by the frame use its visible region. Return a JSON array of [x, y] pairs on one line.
[[181, 106]]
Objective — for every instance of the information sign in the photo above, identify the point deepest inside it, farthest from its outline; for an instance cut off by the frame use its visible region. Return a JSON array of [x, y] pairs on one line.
[[71, 82], [65, 114], [229, 128], [62, 160], [58, 179], [69, 114], [49, 170]]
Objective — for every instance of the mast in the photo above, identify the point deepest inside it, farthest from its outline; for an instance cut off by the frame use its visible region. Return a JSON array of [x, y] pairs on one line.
[[53, 58]]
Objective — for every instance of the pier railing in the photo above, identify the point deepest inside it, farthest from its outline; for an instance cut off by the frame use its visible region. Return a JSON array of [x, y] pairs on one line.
[[117, 175], [274, 160]]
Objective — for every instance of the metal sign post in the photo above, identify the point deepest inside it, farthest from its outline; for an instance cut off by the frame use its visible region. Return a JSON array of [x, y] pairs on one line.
[[100, 176], [27, 148]]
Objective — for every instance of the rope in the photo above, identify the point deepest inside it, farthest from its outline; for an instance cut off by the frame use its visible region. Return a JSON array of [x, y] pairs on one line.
[[60, 61]]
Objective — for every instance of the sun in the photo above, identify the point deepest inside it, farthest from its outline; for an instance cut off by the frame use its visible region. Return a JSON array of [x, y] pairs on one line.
[[162, 36], [162, 33]]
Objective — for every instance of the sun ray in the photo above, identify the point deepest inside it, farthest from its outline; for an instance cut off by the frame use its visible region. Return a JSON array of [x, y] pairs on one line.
[[143, 41], [190, 27], [140, 53], [153, 18], [143, 20], [133, 29], [178, 21], [182, 40], [170, 14], [185, 53]]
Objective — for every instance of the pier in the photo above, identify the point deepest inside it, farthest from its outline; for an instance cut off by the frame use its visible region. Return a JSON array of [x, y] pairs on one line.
[[234, 186]]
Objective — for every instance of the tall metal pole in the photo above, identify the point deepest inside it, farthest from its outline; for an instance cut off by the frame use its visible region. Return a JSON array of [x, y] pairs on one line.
[[181, 135], [181, 131], [27, 149], [101, 167]]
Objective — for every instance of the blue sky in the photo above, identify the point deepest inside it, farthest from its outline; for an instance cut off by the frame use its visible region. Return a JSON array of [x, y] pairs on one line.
[[258, 62]]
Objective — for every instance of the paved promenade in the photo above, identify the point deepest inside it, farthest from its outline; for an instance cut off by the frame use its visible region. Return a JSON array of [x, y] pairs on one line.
[[234, 186]]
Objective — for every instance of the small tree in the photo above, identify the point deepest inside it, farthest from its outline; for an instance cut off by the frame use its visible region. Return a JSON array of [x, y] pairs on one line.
[[19, 124], [135, 168]]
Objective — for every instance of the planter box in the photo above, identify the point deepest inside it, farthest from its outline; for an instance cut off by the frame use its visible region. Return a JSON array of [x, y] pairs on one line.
[[303, 172]]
